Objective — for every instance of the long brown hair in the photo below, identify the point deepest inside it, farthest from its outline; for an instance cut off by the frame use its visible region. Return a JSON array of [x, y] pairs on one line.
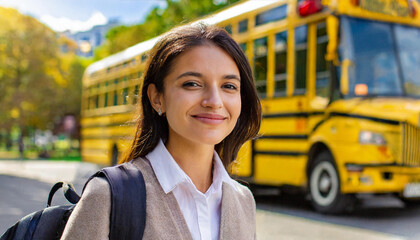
[[151, 127]]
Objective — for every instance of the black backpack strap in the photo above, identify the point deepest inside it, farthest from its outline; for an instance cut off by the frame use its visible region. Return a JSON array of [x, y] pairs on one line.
[[128, 201], [69, 193]]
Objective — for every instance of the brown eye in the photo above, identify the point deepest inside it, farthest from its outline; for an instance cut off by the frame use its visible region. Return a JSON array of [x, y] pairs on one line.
[[190, 84], [230, 86]]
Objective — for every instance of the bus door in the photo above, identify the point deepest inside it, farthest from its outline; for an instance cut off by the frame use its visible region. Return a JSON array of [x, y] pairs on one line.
[[280, 68]]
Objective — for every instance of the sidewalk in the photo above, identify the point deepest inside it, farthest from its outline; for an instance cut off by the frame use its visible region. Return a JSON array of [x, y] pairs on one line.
[[270, 225], [48, 171]]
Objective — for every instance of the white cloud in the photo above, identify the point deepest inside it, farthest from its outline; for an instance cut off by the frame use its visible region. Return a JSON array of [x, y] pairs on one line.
[[61, 24]]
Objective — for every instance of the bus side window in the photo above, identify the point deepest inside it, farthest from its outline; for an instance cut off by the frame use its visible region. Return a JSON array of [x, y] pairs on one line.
[[125, 96], [228, 29], [243, 26], [322, 68], [301, 34], [89, 105], [243, 47], [97, 101], [115, 103], [272, 15], [260, 65], [115, 98], [106, 100], [136, 93], [143, 58], [281, 64]]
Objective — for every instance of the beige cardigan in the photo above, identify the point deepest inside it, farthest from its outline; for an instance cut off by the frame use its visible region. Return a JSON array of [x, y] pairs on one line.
[[164, 220]]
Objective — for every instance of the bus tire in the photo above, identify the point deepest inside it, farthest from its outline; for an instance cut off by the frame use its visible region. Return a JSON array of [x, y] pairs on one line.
[[410, 202], [324, 186]]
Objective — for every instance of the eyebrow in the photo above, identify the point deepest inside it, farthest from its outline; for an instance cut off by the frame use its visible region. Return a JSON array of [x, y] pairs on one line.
[[196, 74], [232, 76]]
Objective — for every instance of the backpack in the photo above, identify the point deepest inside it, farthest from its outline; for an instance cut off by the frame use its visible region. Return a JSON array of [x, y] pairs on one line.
[[126, 183]]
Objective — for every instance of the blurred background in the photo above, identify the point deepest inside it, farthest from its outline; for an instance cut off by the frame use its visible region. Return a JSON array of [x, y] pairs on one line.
[[45, 47], [339, 85]]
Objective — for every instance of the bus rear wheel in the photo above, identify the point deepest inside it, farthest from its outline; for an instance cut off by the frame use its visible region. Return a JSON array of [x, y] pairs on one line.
[[324, 186]]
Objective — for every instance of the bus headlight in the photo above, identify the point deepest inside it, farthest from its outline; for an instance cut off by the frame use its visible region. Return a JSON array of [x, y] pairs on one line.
[[367, 137]]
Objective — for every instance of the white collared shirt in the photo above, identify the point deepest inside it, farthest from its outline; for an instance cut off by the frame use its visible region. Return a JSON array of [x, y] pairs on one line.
[[201, 211]]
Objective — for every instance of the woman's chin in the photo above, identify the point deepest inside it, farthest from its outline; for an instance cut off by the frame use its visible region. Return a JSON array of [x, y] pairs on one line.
[[209, 140]]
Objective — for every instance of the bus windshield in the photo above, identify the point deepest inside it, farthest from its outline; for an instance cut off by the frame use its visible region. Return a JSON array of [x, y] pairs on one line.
[[385, 58]]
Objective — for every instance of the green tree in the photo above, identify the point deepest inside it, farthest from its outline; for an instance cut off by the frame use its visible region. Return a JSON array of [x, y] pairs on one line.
[[38, 83], [157, 22], [30, 67]]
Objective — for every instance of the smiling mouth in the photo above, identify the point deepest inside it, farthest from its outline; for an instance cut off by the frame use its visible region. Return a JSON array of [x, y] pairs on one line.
[[212, 119]]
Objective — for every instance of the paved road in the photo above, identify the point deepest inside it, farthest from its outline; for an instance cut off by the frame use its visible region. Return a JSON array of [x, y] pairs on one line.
[[277, 217], [21, 196], [24, 186]]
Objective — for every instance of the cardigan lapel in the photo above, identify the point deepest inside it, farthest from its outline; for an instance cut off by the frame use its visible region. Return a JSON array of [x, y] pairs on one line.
[[164, 217], [235, 221], [177, 217]]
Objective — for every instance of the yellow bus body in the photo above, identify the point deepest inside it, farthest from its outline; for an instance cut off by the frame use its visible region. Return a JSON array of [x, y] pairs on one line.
[[296, 126]]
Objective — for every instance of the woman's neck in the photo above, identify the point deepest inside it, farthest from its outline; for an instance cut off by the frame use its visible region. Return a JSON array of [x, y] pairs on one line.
[[195, 159]]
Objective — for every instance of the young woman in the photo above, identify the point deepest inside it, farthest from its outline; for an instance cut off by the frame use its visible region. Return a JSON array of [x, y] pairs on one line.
[[199, 105]]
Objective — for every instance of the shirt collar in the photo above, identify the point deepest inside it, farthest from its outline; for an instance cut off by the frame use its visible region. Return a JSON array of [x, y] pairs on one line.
[[220, 174], [167, 171], [169, 174]]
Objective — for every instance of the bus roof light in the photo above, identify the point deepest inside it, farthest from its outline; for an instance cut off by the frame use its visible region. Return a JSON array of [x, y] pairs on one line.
[[412, 9], [355, 2], [308, 7], [413, 12]]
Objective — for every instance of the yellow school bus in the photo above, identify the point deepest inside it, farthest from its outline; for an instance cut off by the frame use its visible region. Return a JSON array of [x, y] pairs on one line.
[[339, 82]]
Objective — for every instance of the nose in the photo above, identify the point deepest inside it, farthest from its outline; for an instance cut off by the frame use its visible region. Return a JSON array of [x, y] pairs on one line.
[[212, 98]]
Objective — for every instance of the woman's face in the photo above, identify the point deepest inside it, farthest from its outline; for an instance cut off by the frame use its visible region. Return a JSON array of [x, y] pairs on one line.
[[201, 97]]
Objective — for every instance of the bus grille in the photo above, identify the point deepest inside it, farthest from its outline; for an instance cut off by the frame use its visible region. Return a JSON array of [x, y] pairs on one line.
[[410, 145]]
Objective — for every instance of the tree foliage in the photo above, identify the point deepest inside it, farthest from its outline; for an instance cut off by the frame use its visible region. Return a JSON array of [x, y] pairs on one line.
[[38, 83], [157, 22]]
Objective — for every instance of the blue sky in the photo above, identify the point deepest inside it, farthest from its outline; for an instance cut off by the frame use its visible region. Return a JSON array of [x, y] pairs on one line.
[[82, 14]]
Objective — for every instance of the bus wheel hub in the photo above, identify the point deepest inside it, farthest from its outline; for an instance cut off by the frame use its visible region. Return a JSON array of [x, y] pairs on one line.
[[325, 184]]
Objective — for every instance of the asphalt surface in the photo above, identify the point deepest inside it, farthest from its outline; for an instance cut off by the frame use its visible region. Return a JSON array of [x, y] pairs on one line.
[[25, 186], [384, 214]]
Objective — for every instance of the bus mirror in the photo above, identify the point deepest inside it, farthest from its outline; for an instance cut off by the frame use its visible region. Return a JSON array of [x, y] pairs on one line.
[[332, 31], [344, 81]]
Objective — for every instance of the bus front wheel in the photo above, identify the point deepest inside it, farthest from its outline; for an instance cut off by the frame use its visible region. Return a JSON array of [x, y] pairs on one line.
[[410, 202], [324, 186]]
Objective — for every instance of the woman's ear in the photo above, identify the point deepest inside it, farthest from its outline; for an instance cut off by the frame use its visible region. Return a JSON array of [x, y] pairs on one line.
[[155, 98]]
